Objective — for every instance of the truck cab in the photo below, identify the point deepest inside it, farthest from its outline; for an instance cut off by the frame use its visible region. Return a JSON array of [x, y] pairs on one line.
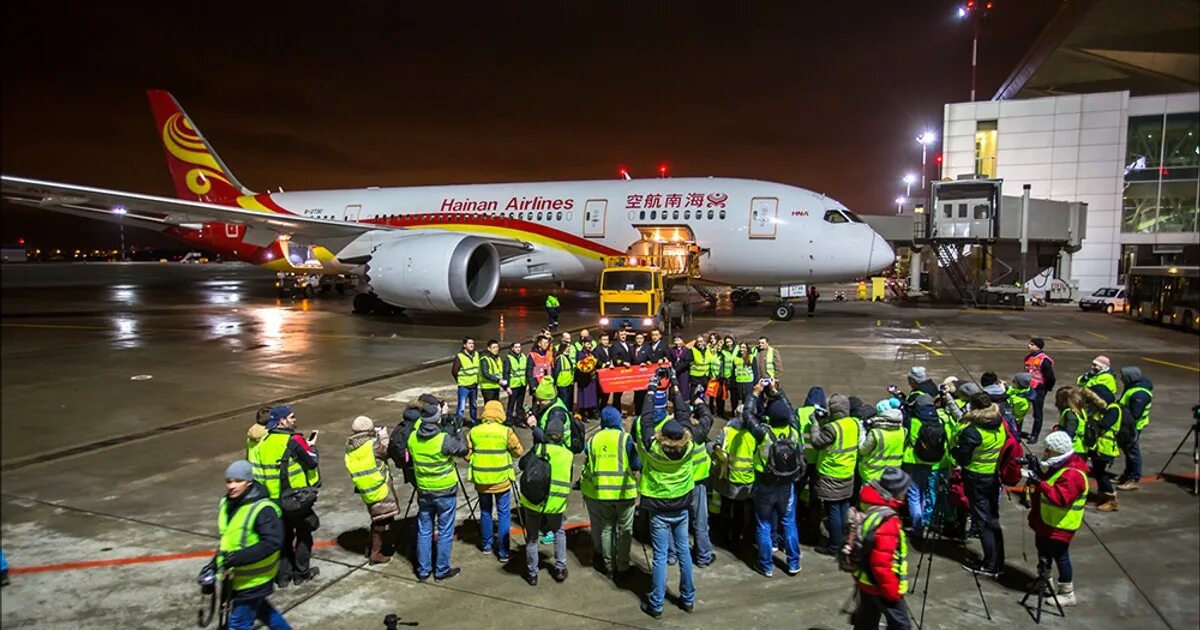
[[635, 291]]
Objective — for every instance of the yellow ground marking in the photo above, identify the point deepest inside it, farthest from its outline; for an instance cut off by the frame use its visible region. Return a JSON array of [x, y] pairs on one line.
[[1095, 334], [917, 322], [1174, 365], [931, 350]]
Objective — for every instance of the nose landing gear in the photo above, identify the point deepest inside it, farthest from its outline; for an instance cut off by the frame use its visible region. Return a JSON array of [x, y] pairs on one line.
[[783, 312]]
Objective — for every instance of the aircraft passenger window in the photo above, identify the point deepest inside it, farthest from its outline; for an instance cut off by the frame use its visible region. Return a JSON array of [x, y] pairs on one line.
[[653, 215], [833, 216], [853, 217], [962, 210], [722, 215], [558, 216], [569, 215], [687, 215], [539, 216], [983, 211], [710, 215], [675, 215], [642, 215]]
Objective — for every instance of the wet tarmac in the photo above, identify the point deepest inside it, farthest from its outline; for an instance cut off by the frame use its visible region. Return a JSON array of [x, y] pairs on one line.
[[127, 389]]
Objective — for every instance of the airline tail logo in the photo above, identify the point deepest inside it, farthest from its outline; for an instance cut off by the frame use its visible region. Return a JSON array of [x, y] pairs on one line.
[[198, 173]]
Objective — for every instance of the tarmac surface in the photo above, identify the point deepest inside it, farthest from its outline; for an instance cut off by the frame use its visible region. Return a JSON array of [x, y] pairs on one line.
[[128, 388]]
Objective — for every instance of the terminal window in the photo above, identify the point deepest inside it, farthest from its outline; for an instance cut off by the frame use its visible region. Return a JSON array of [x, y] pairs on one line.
[[1162, 174], [986, 133]]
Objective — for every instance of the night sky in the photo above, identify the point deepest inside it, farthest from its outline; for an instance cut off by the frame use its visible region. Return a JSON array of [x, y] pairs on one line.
[[828, 96]]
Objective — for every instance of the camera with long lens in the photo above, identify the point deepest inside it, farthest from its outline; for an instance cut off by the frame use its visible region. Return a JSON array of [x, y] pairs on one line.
[[663, 372], [1030, 462], [450, 423], [820, 414]]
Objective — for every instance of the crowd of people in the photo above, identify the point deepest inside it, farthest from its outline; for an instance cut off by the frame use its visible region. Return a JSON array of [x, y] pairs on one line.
[[932, 458]]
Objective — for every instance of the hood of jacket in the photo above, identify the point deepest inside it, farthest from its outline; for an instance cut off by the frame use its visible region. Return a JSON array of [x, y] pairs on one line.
[[927, 386], [926, 413], [358, 439], [1023, 380], [839, 407], [988, 418], [1133, 377], [427, 429], [815, 397], [996, 391], [886, 421], [870, 495]]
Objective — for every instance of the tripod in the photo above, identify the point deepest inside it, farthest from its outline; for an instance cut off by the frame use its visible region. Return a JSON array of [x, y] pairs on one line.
[[1195, 435], [1040, 587], [925, 560], [466, 497]]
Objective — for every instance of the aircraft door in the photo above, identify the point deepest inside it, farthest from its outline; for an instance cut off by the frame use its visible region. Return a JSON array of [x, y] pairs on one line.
[[351, 212], [595, 212], [764, 215]]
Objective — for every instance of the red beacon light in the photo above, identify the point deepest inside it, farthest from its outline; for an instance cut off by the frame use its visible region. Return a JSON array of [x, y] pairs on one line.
[[623, 173], [662, 170]]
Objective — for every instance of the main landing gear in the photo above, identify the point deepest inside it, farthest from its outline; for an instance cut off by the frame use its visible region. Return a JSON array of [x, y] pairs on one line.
[[365, 303]]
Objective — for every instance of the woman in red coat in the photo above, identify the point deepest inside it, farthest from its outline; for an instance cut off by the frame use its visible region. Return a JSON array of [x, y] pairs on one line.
[[883, 585], [1058, 497]]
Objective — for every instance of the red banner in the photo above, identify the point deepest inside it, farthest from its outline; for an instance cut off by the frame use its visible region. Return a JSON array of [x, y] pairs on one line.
[[625, 379]]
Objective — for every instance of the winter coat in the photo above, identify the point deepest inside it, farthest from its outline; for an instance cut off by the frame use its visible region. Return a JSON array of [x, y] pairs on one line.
[[820, 437], [1132, 377], [1063, 493], [388, 507], [969, 438], [884, 581]]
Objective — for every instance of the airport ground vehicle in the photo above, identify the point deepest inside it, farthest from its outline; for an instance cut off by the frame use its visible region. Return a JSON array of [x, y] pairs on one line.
[[293, 285], [1168, 295], [1107, 299], [636, 291]]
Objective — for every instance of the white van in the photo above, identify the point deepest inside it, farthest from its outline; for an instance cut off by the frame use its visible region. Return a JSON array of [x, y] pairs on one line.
[[1107, 299]]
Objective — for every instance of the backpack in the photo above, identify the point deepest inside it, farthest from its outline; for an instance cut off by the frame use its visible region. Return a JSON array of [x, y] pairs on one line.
[[931, 441], [855, 554], [1008, 467], [785, 459], [535, 478], [1127, 431]]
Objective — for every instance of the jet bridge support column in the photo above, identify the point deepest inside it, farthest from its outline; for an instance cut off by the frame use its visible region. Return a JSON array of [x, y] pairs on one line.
[[914, 272]]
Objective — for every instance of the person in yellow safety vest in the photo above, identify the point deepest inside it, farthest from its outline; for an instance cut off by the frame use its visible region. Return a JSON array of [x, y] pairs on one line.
[[977, 451], [491, 447], [564, 372], [493, 372], [517, 364], [837, 441], [768, 363], [465, 371], [883, 582], [552, 310], [698, 371], [367, 465], [883, 442], [1104, 452], [862, 291], [925, 474], [609, 487], [251, 531], [774, 488], [548, 405], [258, 430], [1021, 397], [1100, 374], [548, 515], [666, 487], [807, 514], [1058, 495], [733, 456], [284, 444], [432, 451], [726, 358], [1137, 398]]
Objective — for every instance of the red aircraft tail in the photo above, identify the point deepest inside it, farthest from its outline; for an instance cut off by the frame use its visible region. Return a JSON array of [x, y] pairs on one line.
[[197, 170]]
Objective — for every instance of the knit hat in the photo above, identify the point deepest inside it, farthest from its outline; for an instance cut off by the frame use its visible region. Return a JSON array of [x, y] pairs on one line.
[[1059, 442], [240, 470], [610, 418], [412, 414], [895, 482], [1102, 361], [886, 404], [988, 378], [430, 411], [278, 412], [1039, 342], [917, 373], [1022, 379], [778, 411], [892, 414], [966, 390], [545, 390], [362, 423], [493, 410], [839, 406], [554, 425], [672, 430]]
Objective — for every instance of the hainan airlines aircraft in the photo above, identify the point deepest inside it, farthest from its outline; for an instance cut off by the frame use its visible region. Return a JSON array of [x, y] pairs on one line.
[[448, 248]]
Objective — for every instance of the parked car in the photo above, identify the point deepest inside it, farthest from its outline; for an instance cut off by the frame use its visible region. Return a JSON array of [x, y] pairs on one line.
[[1107, 299]]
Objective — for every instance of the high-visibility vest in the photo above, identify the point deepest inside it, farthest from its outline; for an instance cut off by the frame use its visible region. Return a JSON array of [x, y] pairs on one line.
[[701, 464], [837, 459], [739, 455], [468, 369], [1018, 397], [606, 475], [728, 360], [542, 365], [1070, 517], [1105, 379], [663, 477], [560, 481], [699, 367], [1080, 426], [1145, 417], [743, 373], [265, 460], [495, 366], [490, 461], [899, 557], [889, 451], [804, 418], [985, 456], [370, 477], [237, 533], [1106, 444], [770, 362], [517, 366], [551, 301], [566, 372], [1033, 365], [914, 432], [760, 462], [433, 470], [558, 404]]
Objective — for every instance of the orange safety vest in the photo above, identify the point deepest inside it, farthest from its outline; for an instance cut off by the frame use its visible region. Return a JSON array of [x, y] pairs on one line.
[[1033, 365], [543, 364]]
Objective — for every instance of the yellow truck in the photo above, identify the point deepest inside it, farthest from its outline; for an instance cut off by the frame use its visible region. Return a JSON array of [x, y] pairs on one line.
[[635, 293]]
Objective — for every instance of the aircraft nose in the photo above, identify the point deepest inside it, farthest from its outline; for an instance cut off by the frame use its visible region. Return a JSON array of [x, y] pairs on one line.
[[881, 254]]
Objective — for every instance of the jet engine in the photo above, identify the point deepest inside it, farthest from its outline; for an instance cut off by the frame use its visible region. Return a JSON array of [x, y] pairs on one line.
[[435, 272]]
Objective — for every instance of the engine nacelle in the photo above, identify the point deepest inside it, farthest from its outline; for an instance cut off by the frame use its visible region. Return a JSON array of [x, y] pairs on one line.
[[435, 272]]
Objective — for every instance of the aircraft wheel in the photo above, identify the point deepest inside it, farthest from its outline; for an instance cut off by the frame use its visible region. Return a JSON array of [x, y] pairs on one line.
[[753, 298], [737, 296], [365, 303], [783, 312]]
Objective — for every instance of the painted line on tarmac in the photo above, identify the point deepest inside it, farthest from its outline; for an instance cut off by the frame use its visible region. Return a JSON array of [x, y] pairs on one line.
[[1096, 334], [1174, 365], [935, 353]]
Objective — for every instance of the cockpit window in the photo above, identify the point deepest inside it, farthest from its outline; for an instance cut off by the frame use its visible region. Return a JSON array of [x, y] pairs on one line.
[[853, 217], [833, 216]]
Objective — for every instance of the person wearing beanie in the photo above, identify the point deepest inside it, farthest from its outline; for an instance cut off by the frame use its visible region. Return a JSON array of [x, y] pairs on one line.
[[918, 382], [774, 496], [666, 484], [1020, 397], [251, 531], [883, 444], [432, 451], [491, 447], [367, 464], [836, 439], [925, 473], [609, 489], [1104, 452], [1058, 493], [1137, 398], [1040, 367], [547, 516], [1100, 373], [282, 444], [977, 451], [884, 582], [547, 405], [465, 372]]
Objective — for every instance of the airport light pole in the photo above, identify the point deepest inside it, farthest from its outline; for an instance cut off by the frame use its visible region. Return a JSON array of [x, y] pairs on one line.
[[924, 140], [909, 178], [120, 212], [899, 204], [973, 10]]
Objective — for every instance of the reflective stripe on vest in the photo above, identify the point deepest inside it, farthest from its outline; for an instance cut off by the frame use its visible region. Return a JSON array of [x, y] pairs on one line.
[[566, 372], [560, 481], [760, 462], [1033, 365], [265, 460], [495, 367], [743, 373], [369, 476], [899, 557], [770, 362], [551, 301], [1105, 379], [238, 533], [837, 459], [545, 417], [517, 366], [1145, 417], [468, 369], [888, 451], [663, 477], [699, 365], [985, 456], [739, 455], [606, 475], [1106, 444], [433, 471], [1070, 517], [1080, 427], [490, 460]]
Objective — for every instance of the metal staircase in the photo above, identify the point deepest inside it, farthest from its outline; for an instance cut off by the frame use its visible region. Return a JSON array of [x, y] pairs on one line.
[[708, 294], [950, 259]]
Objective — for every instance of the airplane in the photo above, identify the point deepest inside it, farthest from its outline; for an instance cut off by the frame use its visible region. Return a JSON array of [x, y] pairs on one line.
[[449, 248]]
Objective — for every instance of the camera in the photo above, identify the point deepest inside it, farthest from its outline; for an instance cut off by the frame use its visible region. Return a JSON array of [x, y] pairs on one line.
[[820, 414], [450, 423], [893, 390], [663, 372], [1196, 413], [1030, 462]]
